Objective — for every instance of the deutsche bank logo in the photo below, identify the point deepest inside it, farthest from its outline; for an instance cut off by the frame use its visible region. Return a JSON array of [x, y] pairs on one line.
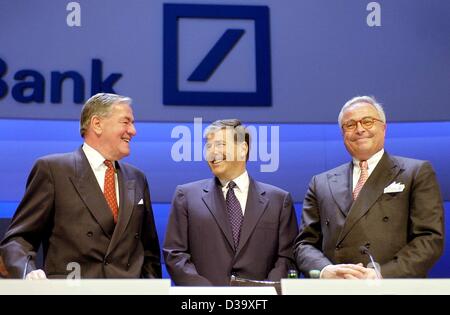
[[216, 55]]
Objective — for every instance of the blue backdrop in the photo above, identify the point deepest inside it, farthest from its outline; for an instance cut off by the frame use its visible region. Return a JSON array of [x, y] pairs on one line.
[[302, 58], [305, 150], [320, 52]]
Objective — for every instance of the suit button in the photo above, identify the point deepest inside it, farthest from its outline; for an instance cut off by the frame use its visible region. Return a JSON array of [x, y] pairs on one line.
[[385, 219], [327, 222], [105, 262], [89, 234], [128, 265], [136, 236]]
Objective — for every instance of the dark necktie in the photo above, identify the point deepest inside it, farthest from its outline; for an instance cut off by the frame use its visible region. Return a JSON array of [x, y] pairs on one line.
[[234, 213], [110, 189]]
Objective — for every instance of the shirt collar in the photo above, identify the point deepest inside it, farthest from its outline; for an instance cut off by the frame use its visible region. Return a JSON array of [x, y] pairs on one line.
[[372, 161], [94, 157], [242, 182]]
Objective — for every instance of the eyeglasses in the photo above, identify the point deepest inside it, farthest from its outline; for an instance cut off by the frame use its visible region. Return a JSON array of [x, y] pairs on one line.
[[366, 123]]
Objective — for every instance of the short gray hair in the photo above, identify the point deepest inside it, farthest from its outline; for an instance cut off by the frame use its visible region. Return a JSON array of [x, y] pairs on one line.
[[363, 99], [99, 105]]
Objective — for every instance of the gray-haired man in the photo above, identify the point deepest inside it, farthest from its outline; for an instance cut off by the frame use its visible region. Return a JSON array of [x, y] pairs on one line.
[[378, 204], [86, 208]]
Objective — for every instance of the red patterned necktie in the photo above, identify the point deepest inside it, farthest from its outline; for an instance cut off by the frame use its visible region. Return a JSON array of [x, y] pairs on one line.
[[110, 189], [362, 178]]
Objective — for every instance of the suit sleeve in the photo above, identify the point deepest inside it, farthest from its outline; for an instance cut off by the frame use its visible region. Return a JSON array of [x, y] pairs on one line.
[[176, 245], [152, 254], [308, 245], [31, 221], [426, 232], [286, 235]]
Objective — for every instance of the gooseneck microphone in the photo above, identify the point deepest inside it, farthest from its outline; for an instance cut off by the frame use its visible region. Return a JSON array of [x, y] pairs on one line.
[[364, 250], [24, 275]]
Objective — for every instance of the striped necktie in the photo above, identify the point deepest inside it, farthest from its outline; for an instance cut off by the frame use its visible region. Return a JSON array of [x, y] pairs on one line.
[[362, 178]]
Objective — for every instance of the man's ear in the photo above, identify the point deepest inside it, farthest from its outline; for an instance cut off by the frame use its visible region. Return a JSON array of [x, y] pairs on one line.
[[96, 125], [243, 152]]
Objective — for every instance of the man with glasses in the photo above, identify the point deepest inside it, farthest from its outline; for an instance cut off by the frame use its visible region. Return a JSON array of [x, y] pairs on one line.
[[378, 207], [229, 225]]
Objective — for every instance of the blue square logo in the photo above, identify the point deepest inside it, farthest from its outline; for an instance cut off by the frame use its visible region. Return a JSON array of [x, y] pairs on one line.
[[216, 55]]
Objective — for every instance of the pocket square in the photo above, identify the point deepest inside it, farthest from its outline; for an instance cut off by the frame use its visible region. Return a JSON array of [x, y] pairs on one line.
[[394, 188], [141, 202]]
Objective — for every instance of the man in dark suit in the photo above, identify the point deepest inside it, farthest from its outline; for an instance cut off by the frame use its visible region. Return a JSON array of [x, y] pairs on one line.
[[91, 213], [385, 205], [230, 225]]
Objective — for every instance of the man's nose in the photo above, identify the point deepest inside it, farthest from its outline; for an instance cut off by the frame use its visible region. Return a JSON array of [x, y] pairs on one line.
[[216, 149], [359, 127], [211, 152], [132, 130]]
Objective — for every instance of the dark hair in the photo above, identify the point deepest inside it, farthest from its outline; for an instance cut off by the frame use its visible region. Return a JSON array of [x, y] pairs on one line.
[[241, 133]]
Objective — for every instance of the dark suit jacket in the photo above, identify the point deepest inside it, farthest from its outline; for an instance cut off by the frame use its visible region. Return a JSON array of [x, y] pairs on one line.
[[198, 248], [404, 231], [64, 209]]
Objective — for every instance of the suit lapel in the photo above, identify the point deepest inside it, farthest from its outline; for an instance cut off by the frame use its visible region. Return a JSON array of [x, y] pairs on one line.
[[215, 202], [340, 185], [89, 191], [255, 207], [382, 175], [127, 189]]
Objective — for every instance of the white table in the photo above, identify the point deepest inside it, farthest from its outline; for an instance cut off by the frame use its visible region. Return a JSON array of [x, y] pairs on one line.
[[365, 287], [223, 291], [86, 287], [163, 287]]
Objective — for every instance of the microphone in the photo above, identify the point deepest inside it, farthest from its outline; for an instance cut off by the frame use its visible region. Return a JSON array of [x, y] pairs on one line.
[[24, 275], [314, 274], [365, 251]]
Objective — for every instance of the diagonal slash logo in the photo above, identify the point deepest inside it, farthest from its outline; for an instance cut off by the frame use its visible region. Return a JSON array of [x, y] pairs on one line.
[[216, 55], [175, 93]]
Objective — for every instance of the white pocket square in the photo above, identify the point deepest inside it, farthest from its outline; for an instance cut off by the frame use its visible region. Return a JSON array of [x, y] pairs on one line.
[[394, 188], [141, 202]]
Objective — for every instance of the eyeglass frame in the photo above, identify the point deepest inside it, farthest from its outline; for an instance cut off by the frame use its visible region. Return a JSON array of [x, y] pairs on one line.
[[360, 122]]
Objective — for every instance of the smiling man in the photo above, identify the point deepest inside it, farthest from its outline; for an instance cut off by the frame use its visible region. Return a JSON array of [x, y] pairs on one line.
[[378, 204], [230, 225], [86, 208]]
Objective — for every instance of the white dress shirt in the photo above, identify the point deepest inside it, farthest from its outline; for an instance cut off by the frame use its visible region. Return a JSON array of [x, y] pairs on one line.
[[241, 190], [371, 164], [96, 161]]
